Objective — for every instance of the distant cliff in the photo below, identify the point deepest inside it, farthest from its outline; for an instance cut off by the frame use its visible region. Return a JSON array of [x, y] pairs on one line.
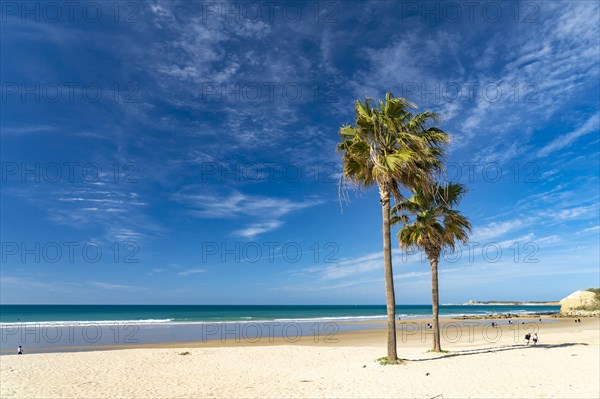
[[581, 301]]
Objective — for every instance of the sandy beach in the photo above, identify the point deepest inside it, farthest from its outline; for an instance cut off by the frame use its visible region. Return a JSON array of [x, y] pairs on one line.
[[565, 363], [299, 199]]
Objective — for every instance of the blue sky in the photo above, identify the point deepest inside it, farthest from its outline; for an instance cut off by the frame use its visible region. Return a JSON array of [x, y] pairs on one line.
[[184, 152]]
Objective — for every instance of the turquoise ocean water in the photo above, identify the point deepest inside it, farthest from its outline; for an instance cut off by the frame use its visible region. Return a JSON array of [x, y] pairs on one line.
[[171, 314], [60, 328]]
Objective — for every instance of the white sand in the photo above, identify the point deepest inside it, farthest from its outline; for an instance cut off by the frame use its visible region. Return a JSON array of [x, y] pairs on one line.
[[474, 370]]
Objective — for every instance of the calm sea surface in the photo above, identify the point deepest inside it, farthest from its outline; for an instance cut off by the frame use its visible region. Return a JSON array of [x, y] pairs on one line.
[[60, 328], [158, 314]]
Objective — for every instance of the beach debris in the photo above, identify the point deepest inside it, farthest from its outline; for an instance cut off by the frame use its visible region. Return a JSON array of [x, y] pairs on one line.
[[426, 374], [184, 353]]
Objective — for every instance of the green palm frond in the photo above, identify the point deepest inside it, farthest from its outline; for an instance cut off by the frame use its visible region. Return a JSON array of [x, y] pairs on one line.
[[391, 147], [429, 221]]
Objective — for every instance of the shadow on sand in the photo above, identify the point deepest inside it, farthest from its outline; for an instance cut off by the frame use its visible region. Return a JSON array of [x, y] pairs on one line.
[[477, 351]]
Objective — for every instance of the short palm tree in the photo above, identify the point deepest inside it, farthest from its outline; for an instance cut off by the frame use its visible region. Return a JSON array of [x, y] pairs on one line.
[[431, 224], [393, 148]]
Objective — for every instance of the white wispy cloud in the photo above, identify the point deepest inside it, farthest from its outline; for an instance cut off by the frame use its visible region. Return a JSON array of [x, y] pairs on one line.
[[191, 271], [111, 286], [535, 68], [359, 265], [61, 286], [108, 204], [353, 266], [24, 282], [549, 173], [269, 210], [590, 229], [31, 129], [238, 204], [519, 240], [494, 230], [156, 270], [551, 239], [591, 125], [577, 212], [256, 229], [319, 287]]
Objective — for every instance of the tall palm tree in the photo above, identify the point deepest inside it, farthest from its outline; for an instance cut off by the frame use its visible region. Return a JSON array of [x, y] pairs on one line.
[[393, 148], [431, 224]]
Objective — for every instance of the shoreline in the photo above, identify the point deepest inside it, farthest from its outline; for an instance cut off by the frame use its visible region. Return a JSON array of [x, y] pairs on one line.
[[339, 319], [360, 333]]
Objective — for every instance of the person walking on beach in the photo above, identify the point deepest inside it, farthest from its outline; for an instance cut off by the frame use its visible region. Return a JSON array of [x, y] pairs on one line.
[[19, 350], [527, 338], [535, 338]]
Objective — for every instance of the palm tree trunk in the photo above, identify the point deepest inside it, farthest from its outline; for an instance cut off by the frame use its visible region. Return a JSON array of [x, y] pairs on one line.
[[435, 302], [390, 297]]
